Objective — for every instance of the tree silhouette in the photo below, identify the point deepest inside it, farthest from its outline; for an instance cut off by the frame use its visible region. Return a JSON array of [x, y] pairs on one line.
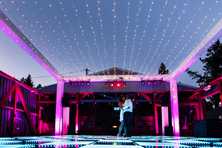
[[39, 86], [212, 69], [28, 80], [212, 65], [163, 69]]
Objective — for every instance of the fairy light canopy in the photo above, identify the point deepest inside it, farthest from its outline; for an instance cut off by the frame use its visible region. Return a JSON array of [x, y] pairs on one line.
[[136, 35]]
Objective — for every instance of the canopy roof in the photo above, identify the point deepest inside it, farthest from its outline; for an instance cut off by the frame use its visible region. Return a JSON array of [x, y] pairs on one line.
[[152, 86], [115, 71], [130, 87], [138, 35]]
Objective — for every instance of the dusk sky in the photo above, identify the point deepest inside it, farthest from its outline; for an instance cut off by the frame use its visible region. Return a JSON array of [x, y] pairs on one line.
[[99, 34]]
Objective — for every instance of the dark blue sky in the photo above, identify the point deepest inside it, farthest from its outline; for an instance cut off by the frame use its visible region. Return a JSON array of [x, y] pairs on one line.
[[98, 34]]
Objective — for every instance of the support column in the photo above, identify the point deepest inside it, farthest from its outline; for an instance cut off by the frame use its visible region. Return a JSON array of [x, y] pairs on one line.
[[58, 115], [39, 115], [14, 111], [221, 98], [201, 111], [40, 127], [198, 111], [220, 86], [156, 119], [174, 107]]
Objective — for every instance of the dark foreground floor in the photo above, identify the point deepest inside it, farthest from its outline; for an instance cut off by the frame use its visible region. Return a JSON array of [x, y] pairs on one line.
[[86, 141]]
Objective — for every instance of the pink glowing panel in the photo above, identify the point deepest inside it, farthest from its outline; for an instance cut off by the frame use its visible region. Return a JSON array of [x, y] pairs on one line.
[[12, 32], [77, 119], [58, 116], [66, 111], [174, 107], [165, 118], [213, 35]]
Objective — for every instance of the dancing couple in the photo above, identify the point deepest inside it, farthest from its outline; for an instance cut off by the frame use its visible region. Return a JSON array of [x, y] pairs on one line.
[[126, 116]]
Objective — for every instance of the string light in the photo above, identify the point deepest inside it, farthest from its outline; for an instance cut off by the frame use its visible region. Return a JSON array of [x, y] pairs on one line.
[[101, 25], [126, 34], [135, 30], [95, 34], [177, 20], [114, 35], [144, 34]]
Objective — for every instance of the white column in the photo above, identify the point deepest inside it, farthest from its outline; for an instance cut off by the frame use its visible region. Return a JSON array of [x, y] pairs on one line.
[[58, 115], [174, 107]]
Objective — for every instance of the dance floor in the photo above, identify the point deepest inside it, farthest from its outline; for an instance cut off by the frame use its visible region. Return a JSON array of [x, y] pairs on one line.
[[86, 141]]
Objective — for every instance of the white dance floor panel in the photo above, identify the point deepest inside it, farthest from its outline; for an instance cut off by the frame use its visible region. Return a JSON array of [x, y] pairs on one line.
[[88, 141]]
